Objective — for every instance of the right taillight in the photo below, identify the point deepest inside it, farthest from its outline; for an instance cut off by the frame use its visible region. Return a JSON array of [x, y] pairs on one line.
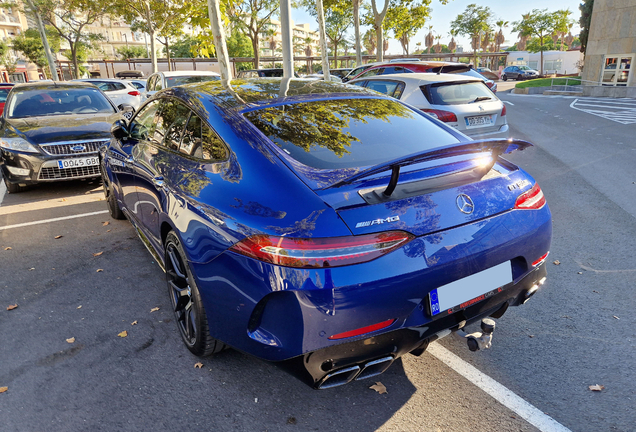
[[503, 110], [320, 252], [531, 200], [445, 116]]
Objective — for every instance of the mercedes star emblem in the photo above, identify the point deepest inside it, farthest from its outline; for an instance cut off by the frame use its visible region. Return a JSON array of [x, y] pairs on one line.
[[465, 204]]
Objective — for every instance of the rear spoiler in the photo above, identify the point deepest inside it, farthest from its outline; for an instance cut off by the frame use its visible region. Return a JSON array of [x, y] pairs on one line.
[[496, 147]]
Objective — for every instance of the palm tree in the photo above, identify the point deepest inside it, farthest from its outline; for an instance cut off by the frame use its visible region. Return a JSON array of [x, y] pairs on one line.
[[429, 39], [452, 45], [500, 38]]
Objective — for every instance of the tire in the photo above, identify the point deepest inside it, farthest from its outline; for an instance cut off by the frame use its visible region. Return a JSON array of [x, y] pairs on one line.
[[111, 200], [14, 188], [186, 302], [504, 77]]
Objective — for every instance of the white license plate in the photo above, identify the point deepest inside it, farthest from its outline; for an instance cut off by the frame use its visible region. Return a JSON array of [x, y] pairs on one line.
[[470, 290], [77, 163], [478, 121]]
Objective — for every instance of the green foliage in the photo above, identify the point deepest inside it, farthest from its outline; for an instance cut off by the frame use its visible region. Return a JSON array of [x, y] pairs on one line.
[[186, 47], [547, 82], [534, 45], [585, 20], [3, 48], [406, 20], [238, 45], [538, 23], [132, 51], [473, 20]]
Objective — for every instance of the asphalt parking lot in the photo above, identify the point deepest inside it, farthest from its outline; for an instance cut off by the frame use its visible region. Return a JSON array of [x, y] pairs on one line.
[[81, 279]]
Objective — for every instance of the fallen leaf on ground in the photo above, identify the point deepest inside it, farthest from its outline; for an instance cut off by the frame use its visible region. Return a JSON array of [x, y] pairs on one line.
[[79, 307], [556, 262], [3, 389], [11, 307], [7, 248], [596, 387], [198, 365], [123, 334], [579, 272], [154, 309], [98, 253], [58, 237], [616, 317], [134, 322], [106, 223], [107, 230], [531, 336], [379, 387], [70, 340], [32, 268], [99, 270]]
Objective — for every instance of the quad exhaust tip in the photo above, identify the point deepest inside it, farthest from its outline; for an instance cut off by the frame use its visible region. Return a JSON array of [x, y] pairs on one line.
[[357, 372]]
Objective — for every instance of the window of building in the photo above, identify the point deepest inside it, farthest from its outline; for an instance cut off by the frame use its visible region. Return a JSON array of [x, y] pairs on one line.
[[553, 65], [617, 70]]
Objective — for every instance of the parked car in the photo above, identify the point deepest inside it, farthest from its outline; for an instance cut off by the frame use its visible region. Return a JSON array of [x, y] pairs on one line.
[[489, 74], [139, 84], [333, 78], [464, 103], [339, 72], [518, 73], [5, 88], [262, 73], [325, 227], [51, 132], [162, 80], [426, 67], [121, 92], [357, 71]]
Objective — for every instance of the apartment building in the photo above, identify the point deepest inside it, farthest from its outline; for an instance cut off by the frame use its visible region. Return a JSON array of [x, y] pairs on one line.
[[302, 36]]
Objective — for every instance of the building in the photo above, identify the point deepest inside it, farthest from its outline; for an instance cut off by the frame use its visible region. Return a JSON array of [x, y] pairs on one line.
[[116, 34], [302, 36], [554, 62], [611, 49]]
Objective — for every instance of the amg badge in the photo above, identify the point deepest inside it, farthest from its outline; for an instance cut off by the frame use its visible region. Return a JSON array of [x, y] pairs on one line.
[[377, 221]]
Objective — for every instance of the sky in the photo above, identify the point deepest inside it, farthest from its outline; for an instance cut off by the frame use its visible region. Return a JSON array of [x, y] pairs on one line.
[[442, 15]]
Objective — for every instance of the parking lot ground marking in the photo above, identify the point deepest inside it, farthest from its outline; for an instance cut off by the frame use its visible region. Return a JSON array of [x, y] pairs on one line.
[[52, 220], [50, 203], [619, 111], [501, 394], [509, 103]]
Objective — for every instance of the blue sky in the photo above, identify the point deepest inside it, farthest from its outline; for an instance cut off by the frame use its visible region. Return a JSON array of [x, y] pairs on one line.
[[442, 15]]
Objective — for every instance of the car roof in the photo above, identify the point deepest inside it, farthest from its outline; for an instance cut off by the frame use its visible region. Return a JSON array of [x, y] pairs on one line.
[[188, 73], [429, 78], [53, 85], [254, 93]]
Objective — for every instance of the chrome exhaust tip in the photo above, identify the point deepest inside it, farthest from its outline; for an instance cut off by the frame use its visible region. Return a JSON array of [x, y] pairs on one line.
[[374, 368], [338, 378], [532, 291]]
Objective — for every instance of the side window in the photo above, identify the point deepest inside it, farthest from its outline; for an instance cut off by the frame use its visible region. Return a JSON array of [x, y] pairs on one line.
[[150, 84], [143, 124], [173, 118], [158, 83], [392, 70], [118, 86], [370, 72], [386, 87], [359, 83], [399, 89], [201, 142]]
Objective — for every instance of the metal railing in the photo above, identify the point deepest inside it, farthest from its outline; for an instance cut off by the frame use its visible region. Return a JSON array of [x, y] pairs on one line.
[[567, 87]]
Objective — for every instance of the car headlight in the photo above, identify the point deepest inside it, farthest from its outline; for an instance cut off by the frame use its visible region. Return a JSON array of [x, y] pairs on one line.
[[18, 144]]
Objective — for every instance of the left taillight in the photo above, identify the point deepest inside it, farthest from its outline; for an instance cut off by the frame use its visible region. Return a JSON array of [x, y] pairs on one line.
[[134, 93], [320, 252], [531, 200]]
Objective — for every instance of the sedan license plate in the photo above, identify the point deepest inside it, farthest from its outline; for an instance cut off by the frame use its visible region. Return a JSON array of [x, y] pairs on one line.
[[77, 163], [470, 290], [478, 121]]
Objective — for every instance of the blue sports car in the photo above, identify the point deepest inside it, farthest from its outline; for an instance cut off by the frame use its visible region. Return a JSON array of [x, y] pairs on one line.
[[328, 228]]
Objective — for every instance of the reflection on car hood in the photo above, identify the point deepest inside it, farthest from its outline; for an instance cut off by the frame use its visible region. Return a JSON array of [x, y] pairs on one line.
[[39, 130]]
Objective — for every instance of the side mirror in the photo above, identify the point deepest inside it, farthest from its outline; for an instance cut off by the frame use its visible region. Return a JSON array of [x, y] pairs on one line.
[[119, 130], [127, 110]]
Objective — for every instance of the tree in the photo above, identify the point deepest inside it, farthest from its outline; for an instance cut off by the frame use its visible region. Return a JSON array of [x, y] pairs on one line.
[[500, 38], [30, 45], [130, 52], [337, 22], [429, 39], [540, 24], [252, 17], [585, 20], [562, 23], [369, 40], [152, 17], [474, 21], [70, 20], [405, 21]]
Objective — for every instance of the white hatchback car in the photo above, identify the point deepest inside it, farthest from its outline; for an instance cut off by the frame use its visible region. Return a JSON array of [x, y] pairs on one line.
[[162, 80], [465, 103], [119, 91]]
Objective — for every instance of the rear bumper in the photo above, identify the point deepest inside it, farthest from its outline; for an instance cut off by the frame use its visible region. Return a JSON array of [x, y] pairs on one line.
[[502, 133]]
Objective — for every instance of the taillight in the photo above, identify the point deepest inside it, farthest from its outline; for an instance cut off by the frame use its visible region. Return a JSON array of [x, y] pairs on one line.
[[540, 260], [134, 93], [445, 116], [531, 200], [320, 252], [363, 330], [503, 110]]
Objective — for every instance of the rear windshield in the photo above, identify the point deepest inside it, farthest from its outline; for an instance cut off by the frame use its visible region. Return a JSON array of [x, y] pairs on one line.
[[51, 102], [351, 133], [3, 94], [458, 94], [182, 80]]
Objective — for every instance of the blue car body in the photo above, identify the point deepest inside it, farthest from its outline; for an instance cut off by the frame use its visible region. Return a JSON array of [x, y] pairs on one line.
[[328, 322]]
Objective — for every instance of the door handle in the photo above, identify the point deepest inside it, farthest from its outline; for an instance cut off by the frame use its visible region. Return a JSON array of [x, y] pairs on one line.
[[158, 182]]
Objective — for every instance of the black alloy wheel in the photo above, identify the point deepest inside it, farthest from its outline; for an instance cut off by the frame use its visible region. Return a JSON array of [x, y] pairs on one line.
[[111, 201], [504, 77], [186, 302]]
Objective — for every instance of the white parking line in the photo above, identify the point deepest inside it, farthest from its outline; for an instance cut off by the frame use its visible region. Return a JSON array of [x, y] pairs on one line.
[[620, 111], [509, 103], [501, 394], [52, 220]]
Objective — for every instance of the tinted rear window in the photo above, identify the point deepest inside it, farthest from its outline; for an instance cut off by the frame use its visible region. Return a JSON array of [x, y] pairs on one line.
[[336, 134], [458, 94], [57, 101]]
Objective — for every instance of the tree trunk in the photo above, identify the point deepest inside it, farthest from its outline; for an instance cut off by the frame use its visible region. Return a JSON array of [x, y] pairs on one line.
[[356, 25], [45, 42], [214, 13], [380, 39], [74, 57], [168, 53], [323, 41]]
